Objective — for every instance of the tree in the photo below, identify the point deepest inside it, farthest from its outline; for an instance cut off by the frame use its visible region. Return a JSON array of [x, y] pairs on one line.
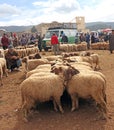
[[33, 29]]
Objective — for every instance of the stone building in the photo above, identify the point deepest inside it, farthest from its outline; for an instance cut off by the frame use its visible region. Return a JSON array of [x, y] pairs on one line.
[[79, 24], [43, 27]]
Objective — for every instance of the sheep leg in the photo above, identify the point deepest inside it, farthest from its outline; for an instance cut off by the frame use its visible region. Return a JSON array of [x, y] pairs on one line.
[[5, 71], [55, 105], [102, 105], [1, 78], [1, 81], [75, 104], [28, 103], [57, 100]]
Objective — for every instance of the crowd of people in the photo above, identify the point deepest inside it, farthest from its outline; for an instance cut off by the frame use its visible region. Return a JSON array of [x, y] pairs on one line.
[[11, 40], [92, 37], [20, 39]]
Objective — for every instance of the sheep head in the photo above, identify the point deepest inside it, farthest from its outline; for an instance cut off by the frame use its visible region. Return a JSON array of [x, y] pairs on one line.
[[66, 70]]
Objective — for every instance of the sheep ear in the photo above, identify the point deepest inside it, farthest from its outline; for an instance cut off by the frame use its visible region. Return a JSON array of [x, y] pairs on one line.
[[60, 69], [74, 71], [52, 64], [54, 70], [68, 64], [25, 59]]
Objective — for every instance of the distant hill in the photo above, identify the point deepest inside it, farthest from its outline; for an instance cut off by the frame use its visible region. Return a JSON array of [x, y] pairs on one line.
[[16, 28], [99, 25], [92, 26]]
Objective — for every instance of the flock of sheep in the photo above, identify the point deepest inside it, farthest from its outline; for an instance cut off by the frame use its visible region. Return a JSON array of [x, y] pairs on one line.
[[47, 77]]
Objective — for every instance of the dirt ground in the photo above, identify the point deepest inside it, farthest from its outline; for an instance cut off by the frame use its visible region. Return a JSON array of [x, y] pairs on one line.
[[46, 118]]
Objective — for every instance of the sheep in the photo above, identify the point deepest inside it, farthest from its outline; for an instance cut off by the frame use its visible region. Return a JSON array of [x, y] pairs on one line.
[[52, 58], [85, 85], [4, 66], [41, 68], [82, 66], [3, 69], [95, 60], [37, 71], [44, 66], [92, 59], [1, 75], [34, 56], [31, 64], [40, 89], [2, 54]]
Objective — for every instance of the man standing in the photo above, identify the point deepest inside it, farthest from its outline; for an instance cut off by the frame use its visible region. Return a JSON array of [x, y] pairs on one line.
[[5, 41], [39, 42], [55, 44], [111, 41], [87, 39], [64, 39]]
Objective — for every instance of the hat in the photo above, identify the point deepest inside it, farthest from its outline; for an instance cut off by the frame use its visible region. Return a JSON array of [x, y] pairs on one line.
[[10, 46]]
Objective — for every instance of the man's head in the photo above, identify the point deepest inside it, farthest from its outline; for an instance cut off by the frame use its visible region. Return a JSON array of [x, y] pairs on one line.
[[112, 31], [10, 48]]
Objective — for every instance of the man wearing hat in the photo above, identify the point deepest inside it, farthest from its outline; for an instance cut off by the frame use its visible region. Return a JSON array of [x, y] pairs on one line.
[[111, 41], [12, 59]]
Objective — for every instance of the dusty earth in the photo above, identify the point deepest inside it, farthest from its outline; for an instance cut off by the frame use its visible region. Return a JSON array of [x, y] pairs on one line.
[[46, 118]]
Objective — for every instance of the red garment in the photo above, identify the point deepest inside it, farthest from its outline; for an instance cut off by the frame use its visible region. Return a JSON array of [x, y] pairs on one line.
[[54, 40], [5, 41]]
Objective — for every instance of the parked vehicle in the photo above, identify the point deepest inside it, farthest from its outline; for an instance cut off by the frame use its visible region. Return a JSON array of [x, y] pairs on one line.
[[69, 32]]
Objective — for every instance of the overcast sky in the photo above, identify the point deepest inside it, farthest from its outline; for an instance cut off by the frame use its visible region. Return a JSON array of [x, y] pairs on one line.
[[33, 12]]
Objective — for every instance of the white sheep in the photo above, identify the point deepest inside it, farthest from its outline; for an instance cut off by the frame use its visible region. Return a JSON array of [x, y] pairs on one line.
[[1, 75], [41, 89], [85, 85], [31, 64], [41, 68], [52, 58], [46, 70], [3, 69], [2, 54], [88, 85], [4, 66]]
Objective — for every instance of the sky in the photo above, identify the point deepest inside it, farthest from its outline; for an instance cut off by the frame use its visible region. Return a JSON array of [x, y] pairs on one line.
[[34, 12]]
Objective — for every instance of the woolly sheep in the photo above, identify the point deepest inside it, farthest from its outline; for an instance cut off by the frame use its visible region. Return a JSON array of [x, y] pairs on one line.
[[46, 70], [2, 54], [31, 64], [3, 69], [86, 85], [41, 68], [52, 58], [41, 89], [1, 74], [4, 66]]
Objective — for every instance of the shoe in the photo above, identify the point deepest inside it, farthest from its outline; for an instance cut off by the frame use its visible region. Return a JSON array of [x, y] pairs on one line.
[[9, 71], [18, 69]]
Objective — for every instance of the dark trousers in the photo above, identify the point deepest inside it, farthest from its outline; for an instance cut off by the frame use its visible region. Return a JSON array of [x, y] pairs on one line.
[[40, 47], [5, 47], [13, 66]]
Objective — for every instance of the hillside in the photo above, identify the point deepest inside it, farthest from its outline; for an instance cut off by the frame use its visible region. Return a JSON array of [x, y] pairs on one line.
[[99, 25], [16, 28], [92, 26]]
